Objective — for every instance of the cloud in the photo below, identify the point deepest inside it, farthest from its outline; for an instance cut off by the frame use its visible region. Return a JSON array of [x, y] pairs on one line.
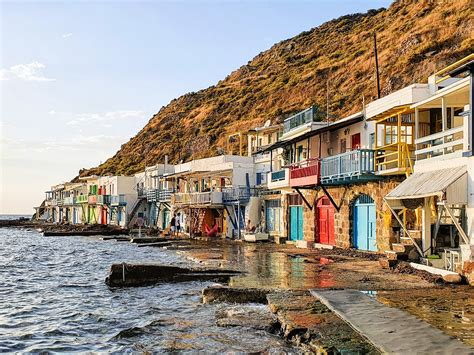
[[66, 35], [104, 118], [28, 72]]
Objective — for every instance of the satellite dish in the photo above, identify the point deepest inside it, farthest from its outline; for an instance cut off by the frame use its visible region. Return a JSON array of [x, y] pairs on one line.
[[267, 123]]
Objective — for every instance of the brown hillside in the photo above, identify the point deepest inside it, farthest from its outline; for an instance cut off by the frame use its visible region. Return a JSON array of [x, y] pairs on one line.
[[415, 38]]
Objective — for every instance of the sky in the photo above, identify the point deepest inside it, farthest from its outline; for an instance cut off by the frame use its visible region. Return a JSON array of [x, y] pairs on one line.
[[79, 78]]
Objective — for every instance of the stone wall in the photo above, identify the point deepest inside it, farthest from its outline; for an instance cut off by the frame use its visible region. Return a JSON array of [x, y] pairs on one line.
[[345, 196]]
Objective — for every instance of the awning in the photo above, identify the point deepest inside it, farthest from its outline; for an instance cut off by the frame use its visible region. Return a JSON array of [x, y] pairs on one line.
[[448, 184]]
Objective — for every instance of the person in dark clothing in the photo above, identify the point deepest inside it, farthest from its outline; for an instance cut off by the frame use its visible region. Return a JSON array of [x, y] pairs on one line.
[[173, 225]]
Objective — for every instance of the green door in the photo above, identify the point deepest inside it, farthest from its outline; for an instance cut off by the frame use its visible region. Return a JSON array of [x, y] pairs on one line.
[[296, 223]]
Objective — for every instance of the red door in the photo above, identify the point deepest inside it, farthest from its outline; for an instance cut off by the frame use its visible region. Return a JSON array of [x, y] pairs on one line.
[[355, 141], [325, 221]]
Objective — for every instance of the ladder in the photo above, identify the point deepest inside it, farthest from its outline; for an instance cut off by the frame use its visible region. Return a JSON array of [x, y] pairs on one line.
[[198, 219]]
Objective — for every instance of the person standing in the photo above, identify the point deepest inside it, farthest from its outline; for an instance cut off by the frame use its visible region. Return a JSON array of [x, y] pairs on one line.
[[173, 225], [178, 224]]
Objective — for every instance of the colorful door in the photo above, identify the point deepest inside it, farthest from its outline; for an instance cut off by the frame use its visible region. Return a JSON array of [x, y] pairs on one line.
[[355, 141], [364, 223], [325, 221], [296, 222], [166, 219]]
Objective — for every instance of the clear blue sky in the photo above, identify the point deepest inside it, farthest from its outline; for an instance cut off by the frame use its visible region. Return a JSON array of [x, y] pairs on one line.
[[78, 79]]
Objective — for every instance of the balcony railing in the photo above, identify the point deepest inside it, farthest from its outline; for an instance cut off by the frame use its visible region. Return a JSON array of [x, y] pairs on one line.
[[92, 199], [68, 200], [301, 118], [305, 173], [442, 143], [347, 166], [197, 198], [236, 194], [60, 201], [103, 199], [118, 200], [155, 195], [393, 159], [165, 195], [81, 199], [278, 175], [278, 179]]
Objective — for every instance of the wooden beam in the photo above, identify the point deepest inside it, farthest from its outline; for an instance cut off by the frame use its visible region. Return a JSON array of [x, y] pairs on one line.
[[404, 228], [328, 195], [304, 199]]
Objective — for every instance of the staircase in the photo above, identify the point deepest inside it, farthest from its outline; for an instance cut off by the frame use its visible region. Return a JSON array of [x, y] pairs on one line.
[[403, 250], [132, 216]]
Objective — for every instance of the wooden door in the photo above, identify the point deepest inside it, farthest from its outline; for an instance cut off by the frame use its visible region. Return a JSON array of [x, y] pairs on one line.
[[325, 221]]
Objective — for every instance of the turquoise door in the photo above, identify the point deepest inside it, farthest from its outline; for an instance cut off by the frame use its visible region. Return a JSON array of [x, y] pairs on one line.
[[166, 219], [296, 222], [364, 224]]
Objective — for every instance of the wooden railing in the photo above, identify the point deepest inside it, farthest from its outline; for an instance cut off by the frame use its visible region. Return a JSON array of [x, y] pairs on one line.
[[347, 165], [197, 198], [394, 157], [305, 168], [440, 143]]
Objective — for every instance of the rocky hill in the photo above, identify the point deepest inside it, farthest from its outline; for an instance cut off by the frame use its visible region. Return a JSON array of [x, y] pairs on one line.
[[415, 38]]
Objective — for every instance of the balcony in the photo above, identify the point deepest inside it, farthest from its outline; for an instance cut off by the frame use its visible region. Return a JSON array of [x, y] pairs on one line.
[[305, 173], [118, 200], [440, 144], [68, 200], [103, 199], [92, 199], [278, 179], [350, 167], [81, 199], [197, 198], [152, 195], [298, 120], [157, 195], [60, 202], [237, 194]]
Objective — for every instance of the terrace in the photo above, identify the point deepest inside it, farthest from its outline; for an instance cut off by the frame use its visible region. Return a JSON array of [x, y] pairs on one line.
[[356, 165], [198, 198], [278, 179], [305, 173]]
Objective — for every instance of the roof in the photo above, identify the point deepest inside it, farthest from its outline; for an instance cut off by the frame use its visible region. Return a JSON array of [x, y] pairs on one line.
[[425, 184], [448, 90], [347, 121], [390, 112]]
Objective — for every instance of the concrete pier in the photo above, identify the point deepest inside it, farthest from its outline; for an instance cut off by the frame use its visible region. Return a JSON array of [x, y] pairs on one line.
[[389, 329]]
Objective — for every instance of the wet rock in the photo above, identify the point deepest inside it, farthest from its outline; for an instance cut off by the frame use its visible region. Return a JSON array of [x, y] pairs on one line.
[[126, 275], [234, 295], [387, 263], [251, 316], [307, 323], [452, 278]]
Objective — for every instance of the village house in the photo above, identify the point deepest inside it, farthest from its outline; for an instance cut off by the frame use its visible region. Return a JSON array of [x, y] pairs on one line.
[[213, 196], [440, 191]]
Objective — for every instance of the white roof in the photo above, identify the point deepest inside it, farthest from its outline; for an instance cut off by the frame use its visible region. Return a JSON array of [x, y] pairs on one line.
[[432, 183]]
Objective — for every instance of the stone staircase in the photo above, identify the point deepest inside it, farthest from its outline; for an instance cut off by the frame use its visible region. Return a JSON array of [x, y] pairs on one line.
[[403, 250]]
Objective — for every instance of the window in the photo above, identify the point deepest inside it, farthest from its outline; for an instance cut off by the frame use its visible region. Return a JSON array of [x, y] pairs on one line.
[[269, 139]]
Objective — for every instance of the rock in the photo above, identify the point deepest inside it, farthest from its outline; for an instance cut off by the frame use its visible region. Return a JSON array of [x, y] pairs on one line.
[[126, 275], [452, 278], [387, 263], [251, 316], [234, 295]]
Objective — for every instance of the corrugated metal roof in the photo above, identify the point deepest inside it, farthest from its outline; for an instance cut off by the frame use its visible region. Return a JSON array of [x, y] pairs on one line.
[[426, 184]]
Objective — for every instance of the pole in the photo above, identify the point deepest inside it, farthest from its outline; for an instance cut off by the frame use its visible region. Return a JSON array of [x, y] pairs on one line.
[[376, 66]]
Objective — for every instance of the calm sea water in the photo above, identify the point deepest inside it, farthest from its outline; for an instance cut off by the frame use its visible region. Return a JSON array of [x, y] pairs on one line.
[[53, 298]]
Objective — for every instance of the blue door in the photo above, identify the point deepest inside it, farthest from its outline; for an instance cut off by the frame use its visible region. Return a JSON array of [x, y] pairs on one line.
[[364, 223], [296, 222]]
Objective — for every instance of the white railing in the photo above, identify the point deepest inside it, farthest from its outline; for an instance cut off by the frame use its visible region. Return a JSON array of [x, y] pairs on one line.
[[197, 198], [347, 165], [440, 143]]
